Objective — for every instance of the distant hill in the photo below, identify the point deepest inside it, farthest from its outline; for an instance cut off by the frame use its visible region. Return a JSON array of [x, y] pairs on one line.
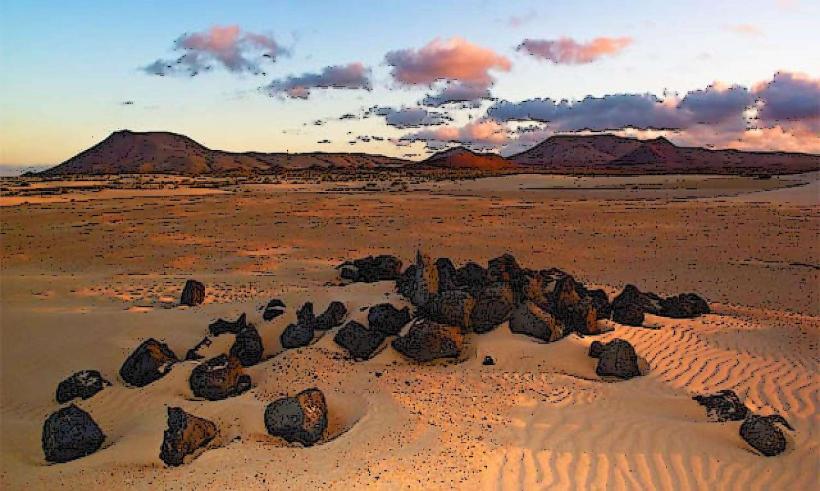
[[129, 152], [610, 154], [462, 158]]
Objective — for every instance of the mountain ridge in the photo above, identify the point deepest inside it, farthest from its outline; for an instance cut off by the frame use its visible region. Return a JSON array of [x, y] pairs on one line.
[[130, 152]]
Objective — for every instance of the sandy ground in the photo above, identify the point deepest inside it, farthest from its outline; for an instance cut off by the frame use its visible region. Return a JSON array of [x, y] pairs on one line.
[[83, 282]]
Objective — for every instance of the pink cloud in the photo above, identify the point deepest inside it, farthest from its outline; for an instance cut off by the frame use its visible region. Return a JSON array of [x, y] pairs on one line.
[[454, 59], [228, 46], [567, 51], [484, 134], [746, 30]]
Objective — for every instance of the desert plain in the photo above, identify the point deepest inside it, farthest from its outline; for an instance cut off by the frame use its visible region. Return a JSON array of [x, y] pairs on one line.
[[91, 271]]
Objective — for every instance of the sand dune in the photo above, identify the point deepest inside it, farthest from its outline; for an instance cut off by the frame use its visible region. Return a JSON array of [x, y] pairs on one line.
[[82, 285]]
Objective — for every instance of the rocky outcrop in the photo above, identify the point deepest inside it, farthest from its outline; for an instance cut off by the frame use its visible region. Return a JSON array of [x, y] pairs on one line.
[[472, 277], [185, 435], [425, 282], [427, 340], [247, 347], [576, 312], [149, 362], [219, 378], [764, 434], [447, 276], [628, 315], [723, 406], [82, 384], [387, 319], [193, 293], [273, 309], [492, 307], [221, 326], [70, 433], [332, 317], [358, 340], [302, 418], [527, 318], [407, 281], [504, 269], [453, 307], [616, 358], [371, 269]]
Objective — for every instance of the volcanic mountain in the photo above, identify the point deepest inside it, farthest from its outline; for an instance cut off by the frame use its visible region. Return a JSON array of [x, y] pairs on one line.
[[130, 152], [610, 154], [462, 158]]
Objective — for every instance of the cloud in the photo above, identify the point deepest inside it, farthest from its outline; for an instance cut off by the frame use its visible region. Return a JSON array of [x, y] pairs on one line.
[[567, 51], [481, 134], [746, 30], [455, 59], [410, 117], [226, 46], [716, 104], [350, 76], [469, 94], [790, 100]]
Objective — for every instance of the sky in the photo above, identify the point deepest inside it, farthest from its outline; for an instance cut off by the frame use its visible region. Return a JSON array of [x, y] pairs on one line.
[[406, 78]]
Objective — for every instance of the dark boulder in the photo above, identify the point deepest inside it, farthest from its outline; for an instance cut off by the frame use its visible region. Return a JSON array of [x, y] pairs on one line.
[[600, 301], [219, 378], [527, 318], [684, 306], [185, 435], [193, 293], [472, 277], [425, 283], [537, 287], [447, 276], [302, 418], [616, 358], [649, 303], [296, 336], [221, 326], [193, 353], [503, 269], [763, 434], [628, 315], [488, 361], [70, 433], [333, 316], [83, 384], [247, 347], [407, 281], [358, 340], [492, 307], [427, 340], [723, 406], [576, 313], [387, 319], [305, 315], [149, 362], [452, 307], [371, 269], [273, 309]]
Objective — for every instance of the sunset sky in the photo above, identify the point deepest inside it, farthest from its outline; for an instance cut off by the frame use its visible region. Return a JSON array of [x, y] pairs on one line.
[[405, 78]]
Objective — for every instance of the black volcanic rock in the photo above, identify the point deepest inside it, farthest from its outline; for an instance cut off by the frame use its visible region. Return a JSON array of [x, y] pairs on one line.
[[222, 326], [616, 358], [387, 319], [302, 418], [358, 340], [82, 384], [149, 362], [193, 293], [70, 433], [247, 346], [333, 316], [185, 434], [427, 340], [684, 306], [273, 309], [219, 378], [371, 269], [763, 434], [723, 406]]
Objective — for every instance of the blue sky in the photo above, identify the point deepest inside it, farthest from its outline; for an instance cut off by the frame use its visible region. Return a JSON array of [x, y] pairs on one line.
[[67, 67]]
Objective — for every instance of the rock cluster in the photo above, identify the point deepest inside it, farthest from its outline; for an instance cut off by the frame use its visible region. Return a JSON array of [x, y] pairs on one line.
[[763, 433], [301, 333], [631, 304], [370, 269]]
